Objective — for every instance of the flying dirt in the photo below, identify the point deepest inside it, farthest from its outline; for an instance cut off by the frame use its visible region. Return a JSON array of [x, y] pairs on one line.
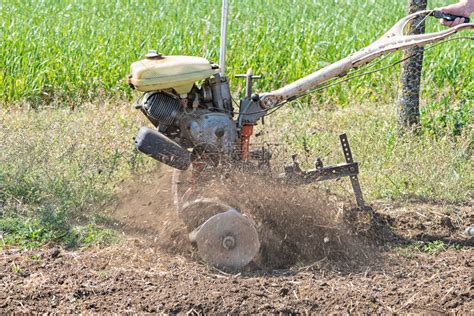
[[295, 224]]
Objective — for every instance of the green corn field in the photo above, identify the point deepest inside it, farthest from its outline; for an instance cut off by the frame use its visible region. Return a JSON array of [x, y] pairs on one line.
[[55, 52]]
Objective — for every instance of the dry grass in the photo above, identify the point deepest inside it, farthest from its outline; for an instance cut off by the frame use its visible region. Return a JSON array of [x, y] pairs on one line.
[[60, 166]]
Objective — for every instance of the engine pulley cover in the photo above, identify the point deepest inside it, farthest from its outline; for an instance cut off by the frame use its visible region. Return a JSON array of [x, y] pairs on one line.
[[213, 130]]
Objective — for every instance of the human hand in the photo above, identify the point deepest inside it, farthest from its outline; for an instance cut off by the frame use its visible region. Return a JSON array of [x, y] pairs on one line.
[[462, 8]]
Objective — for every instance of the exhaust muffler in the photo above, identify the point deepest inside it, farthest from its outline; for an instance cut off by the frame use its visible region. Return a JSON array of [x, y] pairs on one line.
[[156, 145]]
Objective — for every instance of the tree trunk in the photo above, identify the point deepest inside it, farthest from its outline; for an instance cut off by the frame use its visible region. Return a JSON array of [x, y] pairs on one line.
[[409, 98]]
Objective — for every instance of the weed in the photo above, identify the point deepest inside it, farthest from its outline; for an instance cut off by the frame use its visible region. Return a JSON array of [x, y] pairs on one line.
[[31, 232], [431, 247], [406, 252], [441, 117], [457, 246], [15, 268], [103, 274], [94, 235]]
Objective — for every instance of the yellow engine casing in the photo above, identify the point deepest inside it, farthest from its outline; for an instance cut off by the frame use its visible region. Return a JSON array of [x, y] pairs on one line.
[[170, 72]]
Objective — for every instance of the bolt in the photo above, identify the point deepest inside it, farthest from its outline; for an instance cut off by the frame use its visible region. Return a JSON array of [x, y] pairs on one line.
[[219, 132], [318, 163], [228, 242]]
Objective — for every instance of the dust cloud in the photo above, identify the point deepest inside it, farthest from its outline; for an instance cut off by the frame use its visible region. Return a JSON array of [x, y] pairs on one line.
[[297, 225]]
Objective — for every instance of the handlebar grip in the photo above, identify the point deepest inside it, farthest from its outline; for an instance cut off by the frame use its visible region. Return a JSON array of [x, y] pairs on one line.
[[449, 17]]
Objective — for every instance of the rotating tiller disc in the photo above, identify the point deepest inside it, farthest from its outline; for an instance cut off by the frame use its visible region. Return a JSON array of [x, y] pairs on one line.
[[227, 240]]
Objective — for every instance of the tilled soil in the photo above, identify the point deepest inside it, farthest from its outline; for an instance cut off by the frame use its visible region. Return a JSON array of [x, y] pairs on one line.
[[417, 259]]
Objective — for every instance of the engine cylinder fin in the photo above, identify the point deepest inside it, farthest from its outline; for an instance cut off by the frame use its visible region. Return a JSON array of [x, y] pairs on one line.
[[162, 107]]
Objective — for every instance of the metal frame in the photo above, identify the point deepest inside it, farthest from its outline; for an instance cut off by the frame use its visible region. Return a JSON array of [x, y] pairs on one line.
[[294, 173]]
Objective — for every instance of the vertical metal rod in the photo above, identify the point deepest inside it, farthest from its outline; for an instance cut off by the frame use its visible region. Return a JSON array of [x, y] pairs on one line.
[[354, 179], [248, 83], [225, 9]]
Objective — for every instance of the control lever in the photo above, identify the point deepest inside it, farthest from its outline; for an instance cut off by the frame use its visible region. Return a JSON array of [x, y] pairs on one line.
[[449, 17], [249, 77]]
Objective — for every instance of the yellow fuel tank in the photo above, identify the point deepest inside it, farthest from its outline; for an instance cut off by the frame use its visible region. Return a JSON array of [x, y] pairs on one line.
[[170, 72]]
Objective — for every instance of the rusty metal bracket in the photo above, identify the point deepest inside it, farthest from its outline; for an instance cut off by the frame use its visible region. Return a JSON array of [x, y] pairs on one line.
[[354, 178], [322, 173], [295, 174]]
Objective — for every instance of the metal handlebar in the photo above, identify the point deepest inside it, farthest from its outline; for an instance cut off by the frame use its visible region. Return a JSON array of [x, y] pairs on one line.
[[391, 41]]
